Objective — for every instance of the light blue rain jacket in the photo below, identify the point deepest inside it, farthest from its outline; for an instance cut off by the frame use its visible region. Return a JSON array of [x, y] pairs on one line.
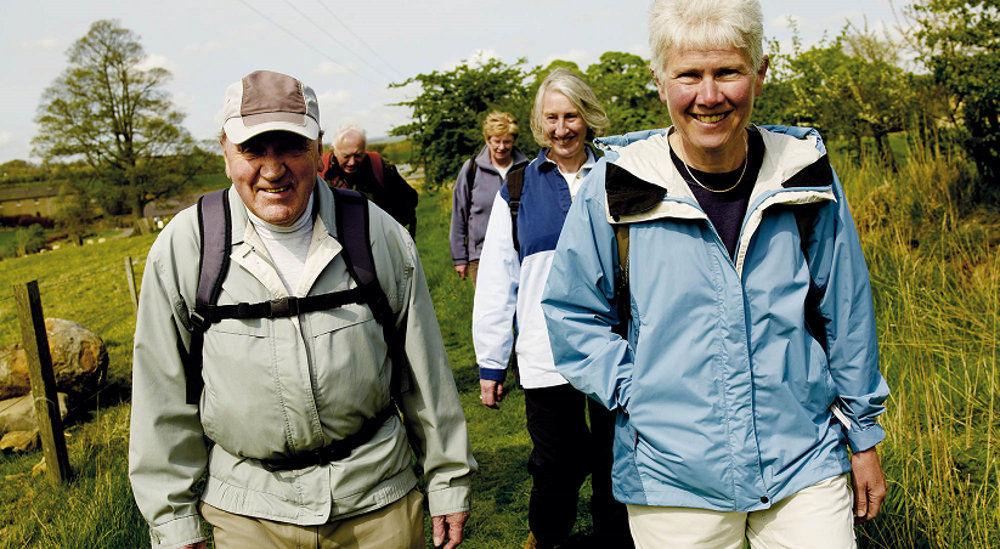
[[734, 372]]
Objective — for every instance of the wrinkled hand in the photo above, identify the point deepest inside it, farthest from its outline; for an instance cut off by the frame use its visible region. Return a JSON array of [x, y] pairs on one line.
[[869, 485], [491, 393], [449, 528], [462, 270], [199, 545]]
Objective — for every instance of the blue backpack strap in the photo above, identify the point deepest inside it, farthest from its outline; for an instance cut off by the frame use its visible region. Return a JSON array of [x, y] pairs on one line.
[[215, 225], [352, 230]]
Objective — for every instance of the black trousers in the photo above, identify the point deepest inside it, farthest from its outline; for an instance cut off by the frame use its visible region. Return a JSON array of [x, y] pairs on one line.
[[565, 452]]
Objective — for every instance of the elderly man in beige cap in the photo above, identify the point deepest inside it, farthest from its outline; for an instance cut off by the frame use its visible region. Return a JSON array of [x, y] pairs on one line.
[[293, 418]]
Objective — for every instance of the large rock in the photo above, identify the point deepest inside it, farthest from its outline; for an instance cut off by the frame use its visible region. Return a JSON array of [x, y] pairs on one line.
[[19, 441], [79, 361], [18, 414]]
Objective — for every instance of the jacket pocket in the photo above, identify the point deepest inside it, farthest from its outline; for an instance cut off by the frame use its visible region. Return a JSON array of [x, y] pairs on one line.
[[241, 408], [352, 369]]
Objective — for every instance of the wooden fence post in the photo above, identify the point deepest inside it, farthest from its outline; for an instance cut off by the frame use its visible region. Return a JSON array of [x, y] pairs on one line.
[[43, 383], [130, 274]]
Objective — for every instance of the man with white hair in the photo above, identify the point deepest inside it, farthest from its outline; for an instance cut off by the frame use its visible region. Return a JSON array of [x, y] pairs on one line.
[[273, 411], [366, 172]]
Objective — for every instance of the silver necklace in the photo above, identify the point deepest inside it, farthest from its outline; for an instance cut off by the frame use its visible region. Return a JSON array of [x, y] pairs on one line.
[[746, 160]]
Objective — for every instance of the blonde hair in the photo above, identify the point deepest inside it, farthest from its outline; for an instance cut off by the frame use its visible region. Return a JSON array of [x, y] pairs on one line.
[[705, 25], [582, 97], [499, 123]]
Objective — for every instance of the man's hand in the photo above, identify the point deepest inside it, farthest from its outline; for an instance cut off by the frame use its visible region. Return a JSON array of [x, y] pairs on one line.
[[491, 393], [869, 485], [449, 528], [199, 545], [462, 270]]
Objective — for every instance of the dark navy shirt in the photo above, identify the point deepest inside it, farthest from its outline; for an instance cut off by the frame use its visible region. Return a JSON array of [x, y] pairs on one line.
[[726, 210]]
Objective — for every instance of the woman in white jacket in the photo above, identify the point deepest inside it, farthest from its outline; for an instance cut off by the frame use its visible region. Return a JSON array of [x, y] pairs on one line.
[[513, 268]]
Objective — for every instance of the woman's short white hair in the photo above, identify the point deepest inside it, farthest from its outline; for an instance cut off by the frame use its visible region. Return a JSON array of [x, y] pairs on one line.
[[705, 25], [582, 97]]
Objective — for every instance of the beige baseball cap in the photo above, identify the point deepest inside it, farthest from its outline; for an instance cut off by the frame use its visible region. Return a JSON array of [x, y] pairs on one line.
[[265, 101]]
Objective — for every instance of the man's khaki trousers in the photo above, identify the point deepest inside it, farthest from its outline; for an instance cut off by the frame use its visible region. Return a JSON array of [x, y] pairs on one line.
[[399, 525]]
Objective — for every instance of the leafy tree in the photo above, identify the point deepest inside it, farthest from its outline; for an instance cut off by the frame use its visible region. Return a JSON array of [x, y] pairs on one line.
[[626, 90], [961, 40], [447, 118], [31, 238], [112, 113], [850, 88]]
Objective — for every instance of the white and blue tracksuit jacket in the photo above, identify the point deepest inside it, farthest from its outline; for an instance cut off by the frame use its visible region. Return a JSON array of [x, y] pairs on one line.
[[510, 283], [732, 369]]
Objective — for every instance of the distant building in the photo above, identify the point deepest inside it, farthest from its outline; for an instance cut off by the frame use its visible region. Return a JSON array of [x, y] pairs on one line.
[[38, 201]]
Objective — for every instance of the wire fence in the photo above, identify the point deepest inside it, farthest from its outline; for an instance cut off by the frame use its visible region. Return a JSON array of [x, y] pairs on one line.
[[92, 288]]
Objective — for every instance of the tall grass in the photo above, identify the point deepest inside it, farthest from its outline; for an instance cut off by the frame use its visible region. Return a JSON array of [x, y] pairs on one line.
[[935, 273]]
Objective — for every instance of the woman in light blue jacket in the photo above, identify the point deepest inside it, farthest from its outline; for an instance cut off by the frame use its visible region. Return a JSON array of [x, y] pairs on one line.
[[747, 386]]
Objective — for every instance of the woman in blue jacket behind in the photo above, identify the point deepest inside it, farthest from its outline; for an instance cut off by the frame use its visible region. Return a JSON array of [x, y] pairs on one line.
[[512, 271], [747, 386]]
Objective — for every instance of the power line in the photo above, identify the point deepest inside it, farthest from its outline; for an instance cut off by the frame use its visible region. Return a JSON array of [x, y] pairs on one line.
[[363, 43], [307, 44], [337, 40]]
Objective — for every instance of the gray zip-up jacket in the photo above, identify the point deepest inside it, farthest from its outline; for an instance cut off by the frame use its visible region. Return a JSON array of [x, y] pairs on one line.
[[470, 208], [276, 388]]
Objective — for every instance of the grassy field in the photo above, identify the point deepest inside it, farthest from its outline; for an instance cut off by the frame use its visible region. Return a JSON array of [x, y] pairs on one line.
[[936, 275]]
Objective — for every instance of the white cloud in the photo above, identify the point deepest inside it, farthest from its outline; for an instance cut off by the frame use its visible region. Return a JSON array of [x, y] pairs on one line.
[[156, 60], [603, 16], [11, 147], [640, 49], [44, 44], [329, 68], [185, 102], [334, 108], [199, 48], [477, 59], [338, 97], [582, 58], [786, 21]]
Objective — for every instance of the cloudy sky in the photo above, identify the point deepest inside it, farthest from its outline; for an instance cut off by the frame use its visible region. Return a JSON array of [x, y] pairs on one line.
[[347, 51]]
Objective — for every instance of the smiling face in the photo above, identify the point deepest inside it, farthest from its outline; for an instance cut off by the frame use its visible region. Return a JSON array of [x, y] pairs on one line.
[[500, 147], [349, 151], [565, 128], [274, 173], [710, 94]]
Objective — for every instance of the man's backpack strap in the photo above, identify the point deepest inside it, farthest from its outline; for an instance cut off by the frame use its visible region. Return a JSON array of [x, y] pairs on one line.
[[515, 183], [352, 230], [214, 222], [377, 167]]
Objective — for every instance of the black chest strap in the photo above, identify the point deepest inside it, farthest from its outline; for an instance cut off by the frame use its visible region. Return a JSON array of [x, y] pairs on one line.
[[215, 222]]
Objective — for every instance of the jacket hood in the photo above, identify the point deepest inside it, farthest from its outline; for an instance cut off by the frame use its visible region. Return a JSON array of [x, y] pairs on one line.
[[642, 182], [483, 159]]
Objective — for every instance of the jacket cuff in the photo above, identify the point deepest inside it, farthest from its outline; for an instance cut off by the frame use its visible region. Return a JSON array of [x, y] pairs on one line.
[[492, 374], [460, 261], [863, 440], [456, 499], [176, 533]]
